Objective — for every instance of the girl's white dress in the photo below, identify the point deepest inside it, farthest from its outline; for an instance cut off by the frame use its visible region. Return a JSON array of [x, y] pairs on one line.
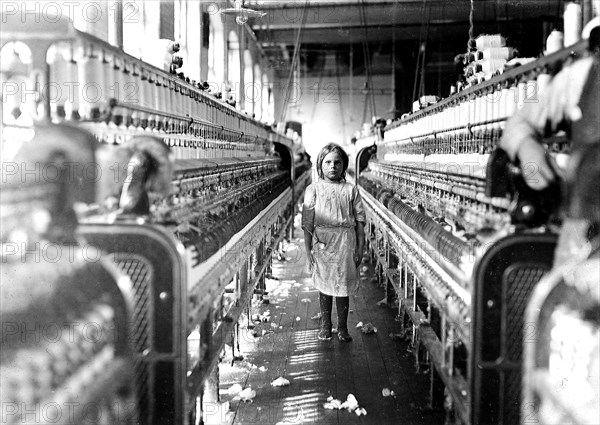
[[330, 213]]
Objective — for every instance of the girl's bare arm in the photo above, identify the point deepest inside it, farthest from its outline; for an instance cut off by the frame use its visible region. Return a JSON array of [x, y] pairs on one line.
[[360, 242], [308, 246]]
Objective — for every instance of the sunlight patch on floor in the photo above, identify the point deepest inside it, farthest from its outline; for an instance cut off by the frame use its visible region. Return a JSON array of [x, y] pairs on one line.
[[310, 357]]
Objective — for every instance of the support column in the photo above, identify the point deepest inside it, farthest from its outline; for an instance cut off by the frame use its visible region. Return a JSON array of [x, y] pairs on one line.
[[394, 109], [260, 258], [115, 23], [243, 276], [210, 390], [242, 43]]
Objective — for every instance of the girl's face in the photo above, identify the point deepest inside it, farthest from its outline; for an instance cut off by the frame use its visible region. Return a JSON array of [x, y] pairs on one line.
[[332, 167]]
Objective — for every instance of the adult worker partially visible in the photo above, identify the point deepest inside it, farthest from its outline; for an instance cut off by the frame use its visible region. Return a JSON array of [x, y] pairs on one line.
[[571, 102]]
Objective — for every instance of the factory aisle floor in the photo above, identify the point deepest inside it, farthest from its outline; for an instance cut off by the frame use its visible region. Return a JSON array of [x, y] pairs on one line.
[[286, 345]]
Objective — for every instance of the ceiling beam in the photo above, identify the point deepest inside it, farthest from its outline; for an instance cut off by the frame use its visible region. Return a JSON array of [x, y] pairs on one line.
[[340, 22], [349, 33]]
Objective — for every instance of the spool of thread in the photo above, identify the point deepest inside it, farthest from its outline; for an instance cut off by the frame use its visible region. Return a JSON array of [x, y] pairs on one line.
[[498, 53], [503, 102], [572, 23], [521, 94], [492, 65], [542, 82], [490, 40], [532, 92], [554, 42]]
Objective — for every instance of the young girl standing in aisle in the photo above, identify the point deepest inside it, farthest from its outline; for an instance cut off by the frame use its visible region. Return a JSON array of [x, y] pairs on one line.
[[333, 222]]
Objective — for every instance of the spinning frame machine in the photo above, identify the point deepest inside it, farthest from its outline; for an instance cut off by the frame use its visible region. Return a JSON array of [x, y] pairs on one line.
[[183, 256], [461, 242]]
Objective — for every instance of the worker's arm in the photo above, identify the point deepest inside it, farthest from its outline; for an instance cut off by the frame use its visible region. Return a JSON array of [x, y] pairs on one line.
[[542, 115]]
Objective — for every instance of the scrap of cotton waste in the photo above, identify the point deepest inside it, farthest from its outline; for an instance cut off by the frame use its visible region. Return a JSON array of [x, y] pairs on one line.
[[360, 411], [298, 319], [359, 324], [351, 404], [386, 392], [247, 394], [332, 403], [280, 382], [262, 369], [368, 329], [316, 316], [305, 300], [234, 390]]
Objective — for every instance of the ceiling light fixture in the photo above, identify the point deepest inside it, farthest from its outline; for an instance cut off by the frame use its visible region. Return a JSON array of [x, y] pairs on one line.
[[241, 13]]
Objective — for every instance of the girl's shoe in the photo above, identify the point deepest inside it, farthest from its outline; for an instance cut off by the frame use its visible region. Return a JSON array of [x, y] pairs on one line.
[[325, 335], [344, 336]]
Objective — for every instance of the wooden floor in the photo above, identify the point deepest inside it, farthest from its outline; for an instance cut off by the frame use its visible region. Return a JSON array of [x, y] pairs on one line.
[[287, 346]]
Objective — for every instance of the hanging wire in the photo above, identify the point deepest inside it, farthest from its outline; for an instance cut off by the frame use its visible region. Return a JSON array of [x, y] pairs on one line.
[[365, 108], [423, 36], [498, 14], [424, 54], [288, 88], [339, 90], [318, 94], [367, 57], [471, 45]]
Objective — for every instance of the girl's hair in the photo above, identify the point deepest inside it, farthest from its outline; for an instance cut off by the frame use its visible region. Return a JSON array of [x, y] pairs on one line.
[[332, 147]]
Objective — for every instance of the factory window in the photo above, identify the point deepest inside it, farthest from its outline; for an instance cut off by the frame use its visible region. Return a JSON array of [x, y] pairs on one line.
[[256, 92], [233, 64], [268, 114], [248, 83], [140, 18], [216, 51], [89, 16]]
